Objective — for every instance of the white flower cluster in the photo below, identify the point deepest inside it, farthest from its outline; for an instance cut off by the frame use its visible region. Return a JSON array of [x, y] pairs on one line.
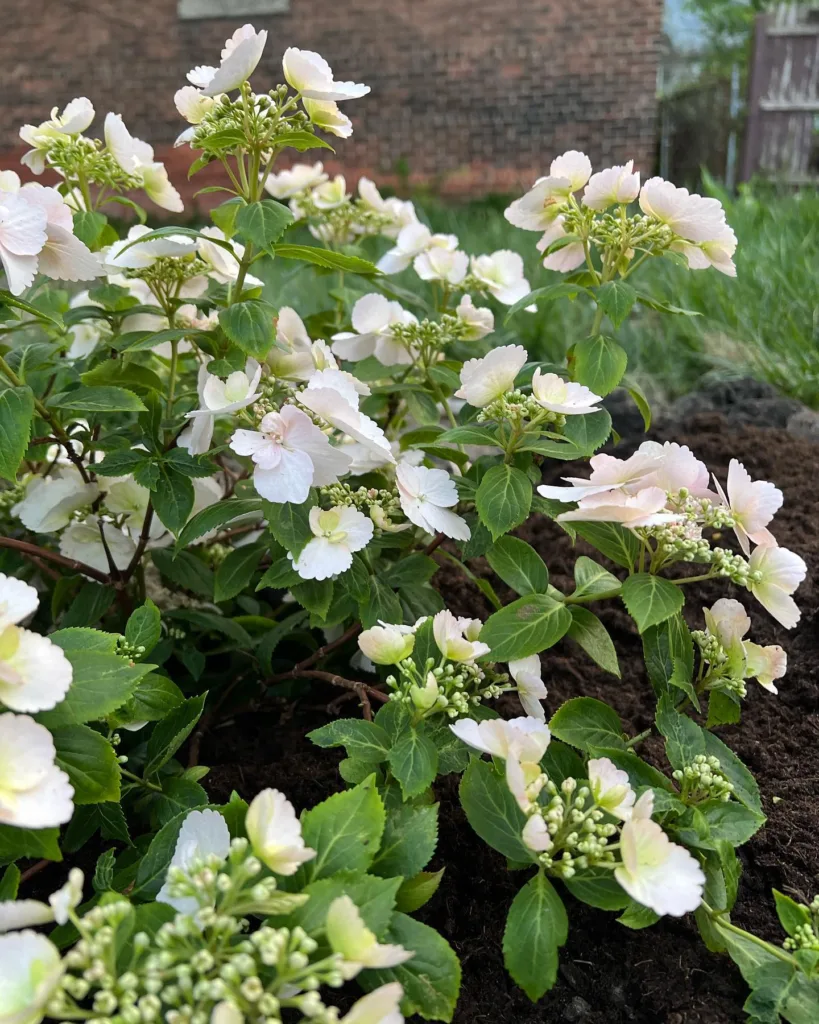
[[732, 659], [664, 488], [34, 676], [672, 218], [570, 832]]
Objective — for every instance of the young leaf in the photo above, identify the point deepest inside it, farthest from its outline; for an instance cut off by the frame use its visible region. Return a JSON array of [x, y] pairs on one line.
[[599, 363], [537, 926], [215, 516], [590, 633], [170, 733], [588, 432], [503, 499], [186, 570], [236, 571], [90, 763], [592, 580], [101, 684], [585, 722], [173, 499], [326, 258], [518, 565], [263, 222], [414, 761], [97, 399], [314, 595], [612, 540], [250, 326], [493, 812], [418, 890], [289, 524], [144, 628], [792, 915], [364, 740], [651, 599], [16, 414], [409, 840], [684, 739], [526, 626], [615, 298]]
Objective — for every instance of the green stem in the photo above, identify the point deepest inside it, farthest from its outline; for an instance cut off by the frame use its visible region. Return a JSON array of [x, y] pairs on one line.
[[692, 579], [172, 380], [774, 951], [140, 781], [638, 738], [588, 598]]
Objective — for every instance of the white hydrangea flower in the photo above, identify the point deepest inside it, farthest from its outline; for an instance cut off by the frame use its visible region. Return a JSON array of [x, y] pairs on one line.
[[224, 266], [536, 835], [608, 474], [728, 621], [327, 115], [291, 455], [123, 255], [611, 788], [338, 408], [30, 972], [645, 508], [457, 637], [218, 397], [765, 664], [675, 467], [75, 118], [34, 672], [426, 496], [705, 238], [485, 379], [566, 258], [34, 792], [437, 264], [372, 318], [298, 178], [337, 534], [774, 574], [618, 184], [537, 209], [753, 504], [479, 320], [50, 502], [527, 673], [15, 914], [274, 831], [401, 211], [136, 157], [193, 105], [520, 742], [241, 53], [203, 834], [82, 541], [387, 643], [656, 872], [566, 397], [18, 600], [501, 273], [311, 76], [86, 335], [352, 939], [381, 1006], [413, 239]]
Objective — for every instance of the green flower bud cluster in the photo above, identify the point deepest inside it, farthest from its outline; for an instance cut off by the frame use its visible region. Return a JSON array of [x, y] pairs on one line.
[[78, 157], [517, 407], [362, 498], [453, 688], [9, 496], [429, 338], [125, 649], [215, 554], [250, 121], [577, 829], [703, 779], [341, 225], [711, 650], [168, 273], [804, 937], [735, 567], [680, 542]]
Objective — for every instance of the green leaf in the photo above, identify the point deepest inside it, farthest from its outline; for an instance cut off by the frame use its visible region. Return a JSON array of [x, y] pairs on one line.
[[289, 524], [80, 639], [526, 626], [585, 722], [382, 604], [410, 570], [325, 258], [599, 364], [103, 879], [215, 516], [314, 595], [591, 579], [537, 926], [665, 647], [88, 226], [154, 865], [615, 298], [639, 398], [518, 565], [121, 462], [173, 499], [588, 432], [409, 840], [263, 222], [374, 897], [598, 888], [503, 499], [364, 740], [345, 831], [280, 576], [101, 684], [541, 296], [210, 623], [98, 399], [746, 789], [612, 540], [186, 570], [356, 580], [423, 408], [41, 843], [636, 916], [651, 599], [88, 605], [302, 141], [236, 571], [414, 761], [250, 326], [640, 773], [792, 915], [590, 633], [493, 812], [684, 739], [90, 762], [16, 414], [418, 890], [144, 628], [470, 435], [9, 883], [132, 376], [431, 979], [731, 821], [170, 733], [154, 697], [178, 794]]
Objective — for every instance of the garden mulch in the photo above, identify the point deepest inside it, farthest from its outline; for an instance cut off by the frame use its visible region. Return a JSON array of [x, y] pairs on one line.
[[608, 974]]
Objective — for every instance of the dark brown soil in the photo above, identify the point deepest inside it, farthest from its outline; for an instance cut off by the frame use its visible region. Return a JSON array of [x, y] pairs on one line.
[[608, 974]]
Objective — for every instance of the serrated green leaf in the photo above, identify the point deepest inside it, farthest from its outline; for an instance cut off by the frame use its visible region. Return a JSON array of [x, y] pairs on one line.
[[249, 325], [409, 840], [599, 363], [537, 926], [615, 298], [16, 415], [173, 499], [263, 222], [215, 516], [651, 599], [612, 540], [590, 633], [493, 812], [518, 565], [363, 740], [144, 628], [101, 684], [418, 890], [326, 258], [592, 580], [98, 399], [186, 570], [236, 571], [90, 762], [526, 626], [171, 732], [503, 499], [584, 722], [413, 760]]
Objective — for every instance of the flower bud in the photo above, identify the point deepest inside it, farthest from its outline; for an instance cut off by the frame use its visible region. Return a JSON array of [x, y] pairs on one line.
[[425, 697], [387, 644]]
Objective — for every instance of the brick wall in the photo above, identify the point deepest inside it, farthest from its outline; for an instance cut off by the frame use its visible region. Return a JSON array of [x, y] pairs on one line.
[[475, 95]]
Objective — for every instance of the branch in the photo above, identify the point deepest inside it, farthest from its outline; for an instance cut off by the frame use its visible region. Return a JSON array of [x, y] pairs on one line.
[[354, 630], [142, 543], [362, 689], [35, 552]]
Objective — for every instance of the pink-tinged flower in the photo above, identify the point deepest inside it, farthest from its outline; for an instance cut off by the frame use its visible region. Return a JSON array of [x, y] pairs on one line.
[[753, 504], [413, 239], [63, 257], [728, 621], [676, 467], [34, 792], [501, 273], [426, 496], [618, 184], [483, 380], [311, 76], [567, 397], [337, 534], [567, 257], [611, 788], [298, 178], [773, 575], [381, 1006], [656, 872], [291, 455], [336, 408], [531, 690], [457, 637], [525, 738], [23, 233], [478, 320], [645, 508], [136, 158], [765, 664], [241, 53], [373, 318], [608, 473], [447, 265]]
